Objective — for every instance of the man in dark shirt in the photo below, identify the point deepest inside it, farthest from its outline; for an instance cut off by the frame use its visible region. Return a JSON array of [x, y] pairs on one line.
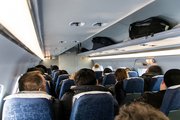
[[171, 77]]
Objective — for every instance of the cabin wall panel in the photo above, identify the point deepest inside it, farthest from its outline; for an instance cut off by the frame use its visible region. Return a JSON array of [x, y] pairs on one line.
[[72, 63], [14, 61]]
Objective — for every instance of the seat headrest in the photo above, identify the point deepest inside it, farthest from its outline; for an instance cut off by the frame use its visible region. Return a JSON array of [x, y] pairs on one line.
[[29, 94], [91, 92]]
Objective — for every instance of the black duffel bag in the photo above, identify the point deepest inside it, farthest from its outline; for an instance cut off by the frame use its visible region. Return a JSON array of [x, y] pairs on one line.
[[99, 42], [147, 27]]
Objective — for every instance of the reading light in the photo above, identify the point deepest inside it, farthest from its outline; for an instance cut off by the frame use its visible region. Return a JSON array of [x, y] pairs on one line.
[[143, 54], [77, 24], [99, 24], [17, 19]]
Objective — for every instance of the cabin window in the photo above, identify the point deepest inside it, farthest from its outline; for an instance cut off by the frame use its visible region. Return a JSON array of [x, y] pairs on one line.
[[141, 71]]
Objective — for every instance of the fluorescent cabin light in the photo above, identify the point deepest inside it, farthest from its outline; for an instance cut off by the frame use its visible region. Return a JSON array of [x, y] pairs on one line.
[[16, 17], [144, 54]]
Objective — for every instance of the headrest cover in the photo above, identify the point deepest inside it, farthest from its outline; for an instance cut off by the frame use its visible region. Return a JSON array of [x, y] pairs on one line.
[[172, 77], [29, 94], [91, 92]]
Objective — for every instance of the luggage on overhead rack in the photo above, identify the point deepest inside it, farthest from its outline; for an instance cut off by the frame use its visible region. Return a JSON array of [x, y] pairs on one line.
[[147, 27], [99, 42]]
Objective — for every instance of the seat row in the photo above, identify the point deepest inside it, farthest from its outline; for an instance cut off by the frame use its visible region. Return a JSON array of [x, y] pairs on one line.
[[87, 105]]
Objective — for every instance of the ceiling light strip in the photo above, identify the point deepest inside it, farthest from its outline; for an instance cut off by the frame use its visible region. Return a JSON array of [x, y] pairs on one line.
[[16, 17], [144, 54]]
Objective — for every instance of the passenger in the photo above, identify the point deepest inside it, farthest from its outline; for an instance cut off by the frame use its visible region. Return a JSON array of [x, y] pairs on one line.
[[150, 72], [140, 111], [60, 84], [106, 70], [48, 77], [34, 83], [34, 69], [118, 89], [127, 69], [55, 67], [96, 67], [85, 80], [171, 77]]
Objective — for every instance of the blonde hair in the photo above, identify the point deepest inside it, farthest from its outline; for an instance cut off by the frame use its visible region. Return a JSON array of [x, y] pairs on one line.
[[140, 111], [72, 75], [96, 65], [120, 74]]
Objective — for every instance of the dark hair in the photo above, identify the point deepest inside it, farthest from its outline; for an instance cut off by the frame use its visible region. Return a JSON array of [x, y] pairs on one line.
[[85, 77], [172, 77], [120, 74], [61, 72], [35, 69], [140, 111], [55, 67], [107, 70], [31, 81], [43, 67], [155, 69]]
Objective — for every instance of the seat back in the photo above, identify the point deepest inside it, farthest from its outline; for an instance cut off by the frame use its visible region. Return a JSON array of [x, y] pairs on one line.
[[27, 108], [53, 72], [55, 77], [155, 83], [65, 85], [171, 100], [59, 79], [98, 74], [94, 105], [49, 71], [133, 88], [132, 74], [48, 88], [108, 79]]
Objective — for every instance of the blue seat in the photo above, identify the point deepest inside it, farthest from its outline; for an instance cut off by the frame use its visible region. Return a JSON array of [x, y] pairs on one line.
[[98, 74], [133, 88], [108, 79], [132, 74], [49, 71], [54, 71], [155, 83], [95, 105], [65, 85], [48, 88], [171, 103], [23, 108], [59, 79], [55, 77]]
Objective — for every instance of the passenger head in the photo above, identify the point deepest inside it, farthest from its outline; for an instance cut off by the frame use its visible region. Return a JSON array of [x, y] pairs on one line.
[[127, 69], [172, 77], [85, 77], [120, 74], [34, 69], [107, 70], [62, 72], [96, 65], [42, 67], [155, 69], [32, 81], [55, 67], [72, 75], [140, 111]]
